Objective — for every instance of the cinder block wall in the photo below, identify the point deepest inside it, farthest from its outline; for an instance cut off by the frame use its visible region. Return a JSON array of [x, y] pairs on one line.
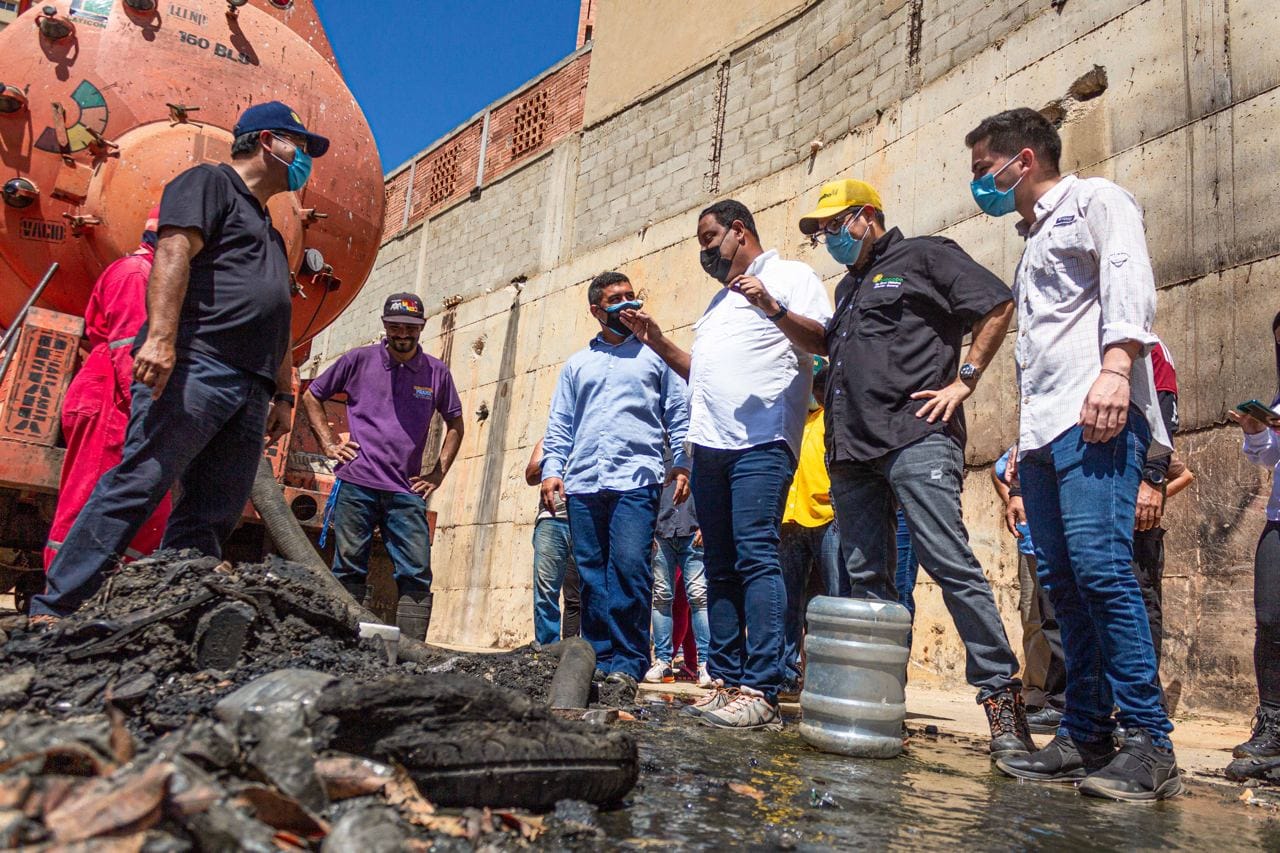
[[1175, 99]]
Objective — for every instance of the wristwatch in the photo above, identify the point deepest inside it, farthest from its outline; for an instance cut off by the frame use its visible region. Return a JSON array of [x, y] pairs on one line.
[[782, 312], [970, 372], [284, 398], [1155, 477]]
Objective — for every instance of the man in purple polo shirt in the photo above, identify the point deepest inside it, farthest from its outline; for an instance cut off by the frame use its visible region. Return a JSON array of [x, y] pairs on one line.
[[393, 388]]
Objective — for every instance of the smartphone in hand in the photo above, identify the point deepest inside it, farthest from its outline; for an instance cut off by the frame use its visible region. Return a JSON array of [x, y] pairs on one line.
[[1259, 411]]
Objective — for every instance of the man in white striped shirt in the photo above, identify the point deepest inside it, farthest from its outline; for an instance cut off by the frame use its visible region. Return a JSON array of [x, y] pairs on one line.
[[1085, 299]]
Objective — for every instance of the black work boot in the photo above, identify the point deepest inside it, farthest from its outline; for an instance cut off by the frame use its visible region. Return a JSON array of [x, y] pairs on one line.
[[413, 615], [1044, 721], [1007, 717], [1141, 771], [1265, 741], [1062, 760]]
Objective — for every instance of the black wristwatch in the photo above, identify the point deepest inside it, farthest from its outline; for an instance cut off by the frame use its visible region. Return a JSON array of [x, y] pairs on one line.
[[284, 398], [970, 372], [782, 312], [1155, 477]]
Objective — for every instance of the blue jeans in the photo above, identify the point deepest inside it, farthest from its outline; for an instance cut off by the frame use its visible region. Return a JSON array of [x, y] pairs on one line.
[[402, 518], [207, 432], [612, 539], [741, 495], [925, 477], [1080, 500], [908, 567], [553, 571], [671, 552], [800, 550]]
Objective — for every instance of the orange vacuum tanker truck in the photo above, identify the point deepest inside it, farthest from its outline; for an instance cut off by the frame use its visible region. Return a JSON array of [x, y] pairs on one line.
[[102, 102]]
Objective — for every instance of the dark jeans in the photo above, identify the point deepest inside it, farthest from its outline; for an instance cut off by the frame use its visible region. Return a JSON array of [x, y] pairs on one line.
[[925, 477], [1148, 568], [612, 540], [741, 495], [800, 551], [1266, 607], [207, 432], [1080, 500], [908, 566], [1044, 674], [402, 519], [554, 571]]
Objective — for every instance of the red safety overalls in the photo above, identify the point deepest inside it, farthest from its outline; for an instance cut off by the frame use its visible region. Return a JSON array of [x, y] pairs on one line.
[[95, 413]]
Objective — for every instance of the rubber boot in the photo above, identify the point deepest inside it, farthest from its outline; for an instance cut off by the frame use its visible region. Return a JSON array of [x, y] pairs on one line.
[[413, 615]]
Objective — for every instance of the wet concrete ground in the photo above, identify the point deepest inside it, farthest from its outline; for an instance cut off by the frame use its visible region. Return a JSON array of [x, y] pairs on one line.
[[705, 788]]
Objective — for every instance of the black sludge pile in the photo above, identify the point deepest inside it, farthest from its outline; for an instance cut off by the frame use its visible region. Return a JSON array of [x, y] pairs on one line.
[[190, 708]]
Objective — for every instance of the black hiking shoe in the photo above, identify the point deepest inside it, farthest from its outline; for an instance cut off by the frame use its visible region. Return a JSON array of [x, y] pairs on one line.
[[1265, 741], [1007, 717], [1140, 772], [621, 687], [1062, 760], [1044, 721], [1262, 769]]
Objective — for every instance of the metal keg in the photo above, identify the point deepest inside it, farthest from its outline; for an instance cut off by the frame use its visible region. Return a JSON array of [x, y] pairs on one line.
[[855, 676]]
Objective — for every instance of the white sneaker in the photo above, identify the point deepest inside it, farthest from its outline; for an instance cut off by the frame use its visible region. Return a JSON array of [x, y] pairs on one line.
[[704, 677], [714, 700], [660, 673], [745, 712]]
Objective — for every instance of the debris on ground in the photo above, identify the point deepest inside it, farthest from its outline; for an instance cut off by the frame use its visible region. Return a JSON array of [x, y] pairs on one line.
[[236, 708]]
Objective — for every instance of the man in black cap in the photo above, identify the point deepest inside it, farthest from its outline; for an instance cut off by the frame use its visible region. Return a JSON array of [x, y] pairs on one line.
[[211, 369], [393, 389]]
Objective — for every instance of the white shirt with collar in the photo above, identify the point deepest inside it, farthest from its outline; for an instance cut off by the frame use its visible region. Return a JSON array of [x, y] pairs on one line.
[[748, 384], [1084, 283]]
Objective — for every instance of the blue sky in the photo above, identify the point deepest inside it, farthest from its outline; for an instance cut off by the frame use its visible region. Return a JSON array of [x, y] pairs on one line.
[[419, 68]]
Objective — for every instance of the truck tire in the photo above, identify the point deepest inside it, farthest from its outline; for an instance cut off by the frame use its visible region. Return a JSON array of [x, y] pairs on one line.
[[516, 764]]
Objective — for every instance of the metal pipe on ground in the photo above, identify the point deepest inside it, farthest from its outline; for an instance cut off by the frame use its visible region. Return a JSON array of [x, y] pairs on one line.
[[571, 685]]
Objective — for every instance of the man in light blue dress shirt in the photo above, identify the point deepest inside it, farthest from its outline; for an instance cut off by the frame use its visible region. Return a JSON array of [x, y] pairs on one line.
[[615, 404]]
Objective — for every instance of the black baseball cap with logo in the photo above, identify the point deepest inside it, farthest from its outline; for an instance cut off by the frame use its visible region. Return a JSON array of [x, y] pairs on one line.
[[404, 308]]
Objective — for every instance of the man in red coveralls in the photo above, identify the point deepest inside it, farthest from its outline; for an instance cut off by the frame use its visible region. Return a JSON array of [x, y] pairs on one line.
[[95, 413]]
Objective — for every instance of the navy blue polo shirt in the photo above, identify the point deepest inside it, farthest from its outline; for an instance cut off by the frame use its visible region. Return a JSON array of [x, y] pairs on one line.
[[238, 304]]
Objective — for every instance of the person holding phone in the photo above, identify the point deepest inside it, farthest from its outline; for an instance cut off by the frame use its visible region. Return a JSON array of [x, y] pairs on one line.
[[1261, 753]]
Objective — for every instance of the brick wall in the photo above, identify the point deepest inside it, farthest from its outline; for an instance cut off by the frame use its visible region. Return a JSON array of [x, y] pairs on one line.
[[526, 124]]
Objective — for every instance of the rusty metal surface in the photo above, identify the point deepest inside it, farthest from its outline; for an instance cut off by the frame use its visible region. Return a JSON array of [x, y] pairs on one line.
[[31, 394], [101, 157]]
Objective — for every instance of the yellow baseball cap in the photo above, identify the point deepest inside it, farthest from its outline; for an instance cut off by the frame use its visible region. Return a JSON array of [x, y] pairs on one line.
[[837, 196]]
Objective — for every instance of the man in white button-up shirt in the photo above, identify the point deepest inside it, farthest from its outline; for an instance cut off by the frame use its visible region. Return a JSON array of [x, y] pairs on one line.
[[748, 396], [1085, 300]]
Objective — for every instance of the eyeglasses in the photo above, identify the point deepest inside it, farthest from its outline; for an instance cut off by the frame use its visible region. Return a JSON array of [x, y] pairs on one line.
[[832, 228]]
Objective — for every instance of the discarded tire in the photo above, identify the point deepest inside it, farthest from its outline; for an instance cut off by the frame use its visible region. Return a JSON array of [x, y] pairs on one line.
[[466, 742], [525, 765]]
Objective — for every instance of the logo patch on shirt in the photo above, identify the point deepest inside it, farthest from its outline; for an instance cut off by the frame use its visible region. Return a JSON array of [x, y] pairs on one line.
[[880, 280], [1064, 220], [423, 392]]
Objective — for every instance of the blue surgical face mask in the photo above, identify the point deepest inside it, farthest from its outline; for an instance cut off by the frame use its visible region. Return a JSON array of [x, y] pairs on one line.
[[299, 170], [614, 314], [843, 247], [992, 201]]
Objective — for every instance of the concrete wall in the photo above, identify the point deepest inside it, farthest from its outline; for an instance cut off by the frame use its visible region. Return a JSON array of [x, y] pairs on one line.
[[1175, 99]]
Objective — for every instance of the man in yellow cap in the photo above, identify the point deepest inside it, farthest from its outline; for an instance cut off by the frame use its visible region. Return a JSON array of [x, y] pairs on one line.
[[895, 424]]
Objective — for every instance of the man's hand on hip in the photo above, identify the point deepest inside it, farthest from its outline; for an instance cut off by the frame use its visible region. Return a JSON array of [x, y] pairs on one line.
[[943, 402], [342, 451], [1106, 408], [552, 488], [679, 476], [153, 364], [427, 483]]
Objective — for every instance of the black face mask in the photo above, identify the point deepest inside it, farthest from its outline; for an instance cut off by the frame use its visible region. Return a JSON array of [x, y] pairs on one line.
[[716, 265]]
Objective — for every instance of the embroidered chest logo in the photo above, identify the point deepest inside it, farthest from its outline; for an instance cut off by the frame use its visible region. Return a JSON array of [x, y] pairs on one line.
[[1064, 220], [880, 280], [423, 392]]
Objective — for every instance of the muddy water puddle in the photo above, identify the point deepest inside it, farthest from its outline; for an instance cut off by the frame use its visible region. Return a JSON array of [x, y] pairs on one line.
[[705, 788]]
